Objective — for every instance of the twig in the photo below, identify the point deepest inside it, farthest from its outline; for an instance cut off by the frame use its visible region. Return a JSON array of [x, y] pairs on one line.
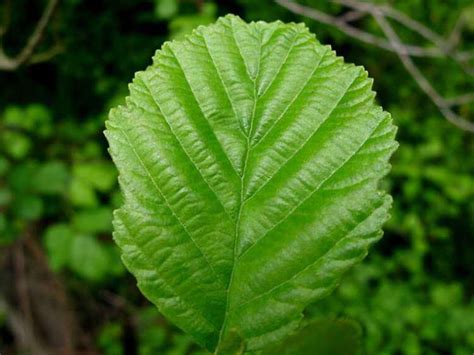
[[420, 79], [405, 52], [38, 33], [53, 313], [21, 283], [445, 46], [21, 330], [351, 16], [26, 54], [341, 24], [46, 55], [455, 36], [461, 99], [396, 15]]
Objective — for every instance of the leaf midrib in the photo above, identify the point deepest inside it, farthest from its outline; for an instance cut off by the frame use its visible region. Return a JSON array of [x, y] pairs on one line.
[[250, 147], [242, 181]]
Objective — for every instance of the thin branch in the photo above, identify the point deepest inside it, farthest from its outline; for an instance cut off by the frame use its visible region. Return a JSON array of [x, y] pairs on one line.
[[25, 55], [453, 40], [21, 329], [461, 99], [351, 16], [400, 17], [455, 35], [46, 55], [21, 283], [420, 79], [445, 46], [354, 32], [38, 33], [405, 52]]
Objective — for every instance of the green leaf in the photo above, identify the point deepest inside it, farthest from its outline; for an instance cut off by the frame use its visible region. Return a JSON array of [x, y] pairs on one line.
[[51, 178], [468, 16], [82, 194], [166, 9], [28, 207], [89, 178], [249, 158], [181, 26], [322, 337], [5, 196], [109, 339], [93, 221], [89, 258], [16, 144], [58, 241], [81, 253], [4, 164], [34, 117], [14, 116], [100, 175]]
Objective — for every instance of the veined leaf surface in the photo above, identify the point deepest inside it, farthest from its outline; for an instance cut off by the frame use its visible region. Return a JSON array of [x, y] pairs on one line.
[[249, 157]]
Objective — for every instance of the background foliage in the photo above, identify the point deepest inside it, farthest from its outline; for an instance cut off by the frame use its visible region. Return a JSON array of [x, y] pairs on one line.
[[412, 295]]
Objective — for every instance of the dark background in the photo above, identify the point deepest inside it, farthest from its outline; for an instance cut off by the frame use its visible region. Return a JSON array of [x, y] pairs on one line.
[[63, 289]]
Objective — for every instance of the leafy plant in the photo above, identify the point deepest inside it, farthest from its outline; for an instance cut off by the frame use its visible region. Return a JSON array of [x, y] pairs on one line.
[[249, 157]]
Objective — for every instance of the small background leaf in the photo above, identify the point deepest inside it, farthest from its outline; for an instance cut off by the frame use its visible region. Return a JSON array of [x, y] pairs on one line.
[[322, 337]]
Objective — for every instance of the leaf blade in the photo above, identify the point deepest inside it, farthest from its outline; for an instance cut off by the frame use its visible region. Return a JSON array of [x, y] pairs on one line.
[[247, 147]]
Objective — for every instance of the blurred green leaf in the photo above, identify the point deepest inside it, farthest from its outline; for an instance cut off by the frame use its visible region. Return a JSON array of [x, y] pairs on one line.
[[82, 194], [152, 334], [93, 221], [5, 197], [33, 118], [58, 241], [322, 337], [51, 178], [183, 25], [166, 9], [468, 16], [20, 177], [101, 175], [68, 247], [16, 144], [4, 164], [116, 267], [89, 258], [14, 116], [110, 339], [27, 207], [447, 295]]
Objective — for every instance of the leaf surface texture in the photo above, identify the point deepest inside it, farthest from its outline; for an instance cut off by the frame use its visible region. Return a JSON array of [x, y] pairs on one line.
[[249, 158]]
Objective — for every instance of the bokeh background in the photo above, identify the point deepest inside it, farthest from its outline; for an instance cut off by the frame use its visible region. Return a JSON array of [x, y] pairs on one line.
[[63, 289]]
